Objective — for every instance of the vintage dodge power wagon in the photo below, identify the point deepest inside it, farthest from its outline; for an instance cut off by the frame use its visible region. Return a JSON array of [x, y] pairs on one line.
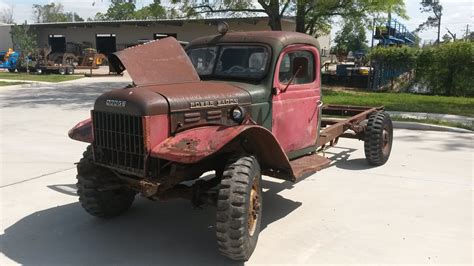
[[241, 104]]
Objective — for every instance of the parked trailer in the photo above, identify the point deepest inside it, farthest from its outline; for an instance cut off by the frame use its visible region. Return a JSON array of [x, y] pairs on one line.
[[58, 62], [242, 104]]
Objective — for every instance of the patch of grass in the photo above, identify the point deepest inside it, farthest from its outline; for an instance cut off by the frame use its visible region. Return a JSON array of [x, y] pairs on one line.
[[434, 122], [405, 102], [8, 83], [39, 77]]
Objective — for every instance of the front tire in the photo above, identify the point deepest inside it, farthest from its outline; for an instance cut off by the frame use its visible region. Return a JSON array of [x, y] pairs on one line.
[[101, 194], [239, 208], [378, 138]]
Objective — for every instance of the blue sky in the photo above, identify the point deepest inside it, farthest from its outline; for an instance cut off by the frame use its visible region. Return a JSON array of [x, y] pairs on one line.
[[457, 13]]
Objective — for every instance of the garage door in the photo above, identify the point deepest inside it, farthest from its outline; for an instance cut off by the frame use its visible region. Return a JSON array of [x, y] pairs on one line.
[[106, 43]]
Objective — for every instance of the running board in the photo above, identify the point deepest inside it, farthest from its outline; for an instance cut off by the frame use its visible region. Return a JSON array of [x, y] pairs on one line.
[[308, 165]]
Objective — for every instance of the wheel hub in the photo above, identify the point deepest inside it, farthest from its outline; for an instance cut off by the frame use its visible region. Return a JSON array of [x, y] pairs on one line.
[[386, 141], [254, 207]]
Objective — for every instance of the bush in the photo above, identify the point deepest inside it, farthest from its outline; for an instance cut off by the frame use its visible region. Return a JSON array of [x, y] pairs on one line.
[[445, 69], [401, 57]]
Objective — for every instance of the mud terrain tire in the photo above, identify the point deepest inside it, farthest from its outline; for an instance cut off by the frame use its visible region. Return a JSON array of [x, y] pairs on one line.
[[378, 138], [91, 179], [239, 208]]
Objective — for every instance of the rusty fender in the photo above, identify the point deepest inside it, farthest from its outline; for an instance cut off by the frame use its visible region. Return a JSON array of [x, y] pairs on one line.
[[194, 145], [82, 131]]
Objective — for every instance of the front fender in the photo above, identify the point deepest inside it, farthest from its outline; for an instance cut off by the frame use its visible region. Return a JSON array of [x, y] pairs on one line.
[[82, 131], [196, 144]]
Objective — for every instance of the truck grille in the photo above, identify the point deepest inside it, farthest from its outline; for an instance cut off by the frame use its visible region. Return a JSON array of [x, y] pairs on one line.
[[118, 141]]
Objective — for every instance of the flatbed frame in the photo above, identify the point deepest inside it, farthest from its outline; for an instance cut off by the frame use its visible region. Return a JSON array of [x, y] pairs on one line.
[[331, 130]]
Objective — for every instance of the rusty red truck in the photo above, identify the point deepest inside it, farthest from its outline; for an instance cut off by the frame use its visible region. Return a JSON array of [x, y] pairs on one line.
[[242, 104]]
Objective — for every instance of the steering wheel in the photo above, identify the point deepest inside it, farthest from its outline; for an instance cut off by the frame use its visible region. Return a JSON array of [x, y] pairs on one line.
[[236, 68]]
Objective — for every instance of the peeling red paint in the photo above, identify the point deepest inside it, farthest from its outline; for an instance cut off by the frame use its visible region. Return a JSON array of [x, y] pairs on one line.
[[82, 131], [295, 111], [157, 129], [195, 144]]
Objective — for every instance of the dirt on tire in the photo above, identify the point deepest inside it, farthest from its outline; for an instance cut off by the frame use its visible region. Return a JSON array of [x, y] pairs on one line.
[[239, 208], [378, 138], [101, 194]]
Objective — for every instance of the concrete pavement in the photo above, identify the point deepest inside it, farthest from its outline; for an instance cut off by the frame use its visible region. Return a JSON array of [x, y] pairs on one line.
[[416, 209], [443, 117]]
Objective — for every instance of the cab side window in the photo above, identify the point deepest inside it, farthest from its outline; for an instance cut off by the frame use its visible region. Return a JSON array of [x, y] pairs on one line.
[[299, 64]]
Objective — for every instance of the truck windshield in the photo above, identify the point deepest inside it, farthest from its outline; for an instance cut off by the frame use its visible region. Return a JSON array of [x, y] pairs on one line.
[[239, 61]]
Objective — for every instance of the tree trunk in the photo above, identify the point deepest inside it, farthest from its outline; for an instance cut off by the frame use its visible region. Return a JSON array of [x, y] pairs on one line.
[[275, 23], [273, 11], [300, 16]]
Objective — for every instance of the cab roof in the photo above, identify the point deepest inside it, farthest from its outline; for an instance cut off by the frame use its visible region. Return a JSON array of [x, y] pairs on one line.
[[276, 39]]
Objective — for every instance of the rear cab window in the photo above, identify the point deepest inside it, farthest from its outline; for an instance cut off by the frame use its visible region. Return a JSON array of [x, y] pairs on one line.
[[288, 64]]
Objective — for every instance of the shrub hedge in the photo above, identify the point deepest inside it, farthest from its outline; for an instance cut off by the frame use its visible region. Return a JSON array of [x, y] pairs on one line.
[[446, 69]]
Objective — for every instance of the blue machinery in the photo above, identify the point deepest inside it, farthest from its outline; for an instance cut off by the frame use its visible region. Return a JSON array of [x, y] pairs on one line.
[[9, 60], [394, 33]]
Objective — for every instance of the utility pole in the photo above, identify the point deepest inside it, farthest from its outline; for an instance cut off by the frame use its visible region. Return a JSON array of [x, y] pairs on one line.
[[467, 32], [438, 11], [373, 32], [439, 27]]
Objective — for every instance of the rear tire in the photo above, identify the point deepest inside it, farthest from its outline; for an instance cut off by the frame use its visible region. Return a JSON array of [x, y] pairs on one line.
[[92, 181], [378, 138], [62, 71], [70, 70], [239, 208]]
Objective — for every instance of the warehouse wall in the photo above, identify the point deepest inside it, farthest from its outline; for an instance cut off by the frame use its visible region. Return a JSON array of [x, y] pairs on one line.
[[5, 38], [129, 35]]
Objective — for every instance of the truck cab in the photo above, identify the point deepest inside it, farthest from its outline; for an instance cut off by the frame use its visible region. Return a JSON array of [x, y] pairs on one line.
[[280, 72]]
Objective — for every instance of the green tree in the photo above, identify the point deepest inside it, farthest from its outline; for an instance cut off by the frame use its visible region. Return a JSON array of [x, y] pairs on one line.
[[352, 37], [153, 11], [73, 16], [434, 19], [118, 10], [470, 36], [53, 13], [446, 38], [24, 41], [314, 17]]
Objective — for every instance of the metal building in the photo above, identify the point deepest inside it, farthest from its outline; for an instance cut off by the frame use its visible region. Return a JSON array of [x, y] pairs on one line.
[[111, 36]]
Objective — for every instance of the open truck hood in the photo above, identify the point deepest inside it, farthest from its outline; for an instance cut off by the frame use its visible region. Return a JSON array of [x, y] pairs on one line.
[[157, 62]]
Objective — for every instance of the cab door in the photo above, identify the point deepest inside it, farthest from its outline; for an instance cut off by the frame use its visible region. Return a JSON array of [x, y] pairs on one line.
[[297, 97]]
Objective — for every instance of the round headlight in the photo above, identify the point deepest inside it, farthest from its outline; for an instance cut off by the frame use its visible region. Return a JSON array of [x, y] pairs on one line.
[[238, 114], [222, 27]]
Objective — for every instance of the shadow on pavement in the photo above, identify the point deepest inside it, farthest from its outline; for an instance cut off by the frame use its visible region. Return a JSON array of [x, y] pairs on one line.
[[70, 96], [165, 233], [339, 157], [458, 142], [354, 164]]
